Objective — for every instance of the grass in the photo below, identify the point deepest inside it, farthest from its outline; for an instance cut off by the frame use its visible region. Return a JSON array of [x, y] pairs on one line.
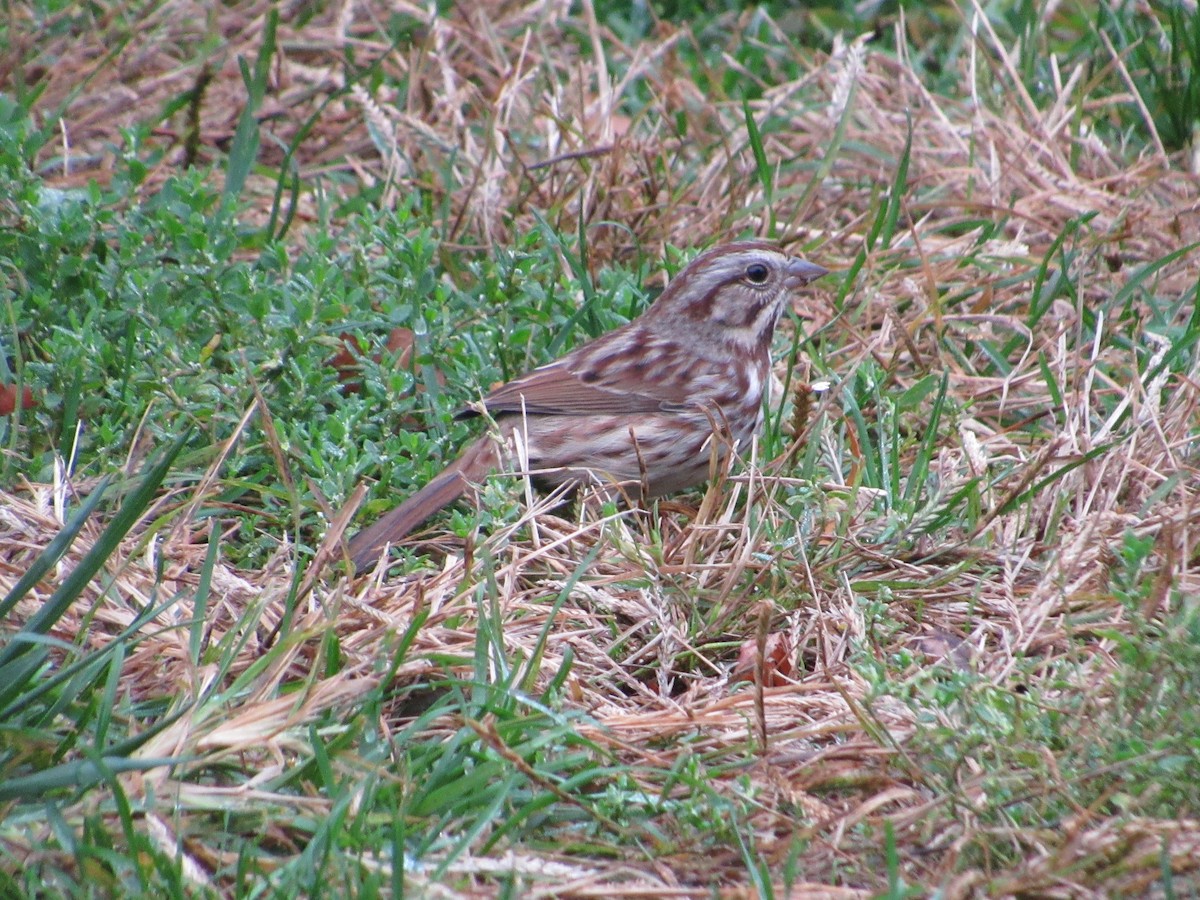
[[966, 532]]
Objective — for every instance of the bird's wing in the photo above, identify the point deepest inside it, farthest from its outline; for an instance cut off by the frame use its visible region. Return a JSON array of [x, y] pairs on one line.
[[555, 390], [591, 382]]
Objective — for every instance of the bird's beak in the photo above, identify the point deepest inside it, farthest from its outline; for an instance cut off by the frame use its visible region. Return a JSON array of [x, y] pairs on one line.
[[801, 271]]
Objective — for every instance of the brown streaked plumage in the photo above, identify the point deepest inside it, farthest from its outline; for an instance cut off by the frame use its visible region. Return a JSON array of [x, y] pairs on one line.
[[638, 405]]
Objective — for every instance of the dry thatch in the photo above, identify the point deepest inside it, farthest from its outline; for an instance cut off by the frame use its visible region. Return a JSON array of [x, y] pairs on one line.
[[513, 108]]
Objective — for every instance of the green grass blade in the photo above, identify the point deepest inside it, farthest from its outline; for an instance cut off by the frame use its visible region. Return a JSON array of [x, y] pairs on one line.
[[75, 583], [76, 775], [761, 166], [53, 552], [203, 591], [244, 149]]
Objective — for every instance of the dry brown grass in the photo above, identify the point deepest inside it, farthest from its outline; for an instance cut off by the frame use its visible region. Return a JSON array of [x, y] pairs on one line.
[[507, 109], [513, 108]]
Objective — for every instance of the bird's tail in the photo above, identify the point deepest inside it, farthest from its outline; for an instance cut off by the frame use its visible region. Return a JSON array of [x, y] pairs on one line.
[[445, 487]]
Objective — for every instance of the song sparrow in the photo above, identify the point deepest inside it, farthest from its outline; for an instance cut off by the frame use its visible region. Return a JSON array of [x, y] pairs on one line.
[[638, 406]]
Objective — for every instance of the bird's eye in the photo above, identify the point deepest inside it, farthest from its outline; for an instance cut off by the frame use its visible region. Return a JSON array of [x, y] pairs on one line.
[[757, 273]]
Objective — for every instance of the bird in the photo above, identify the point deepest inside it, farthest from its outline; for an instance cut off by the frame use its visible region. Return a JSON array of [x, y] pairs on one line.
[[638, 406]]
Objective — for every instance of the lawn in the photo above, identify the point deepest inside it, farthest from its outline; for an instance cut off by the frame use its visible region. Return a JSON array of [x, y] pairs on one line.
[[936, 633]]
